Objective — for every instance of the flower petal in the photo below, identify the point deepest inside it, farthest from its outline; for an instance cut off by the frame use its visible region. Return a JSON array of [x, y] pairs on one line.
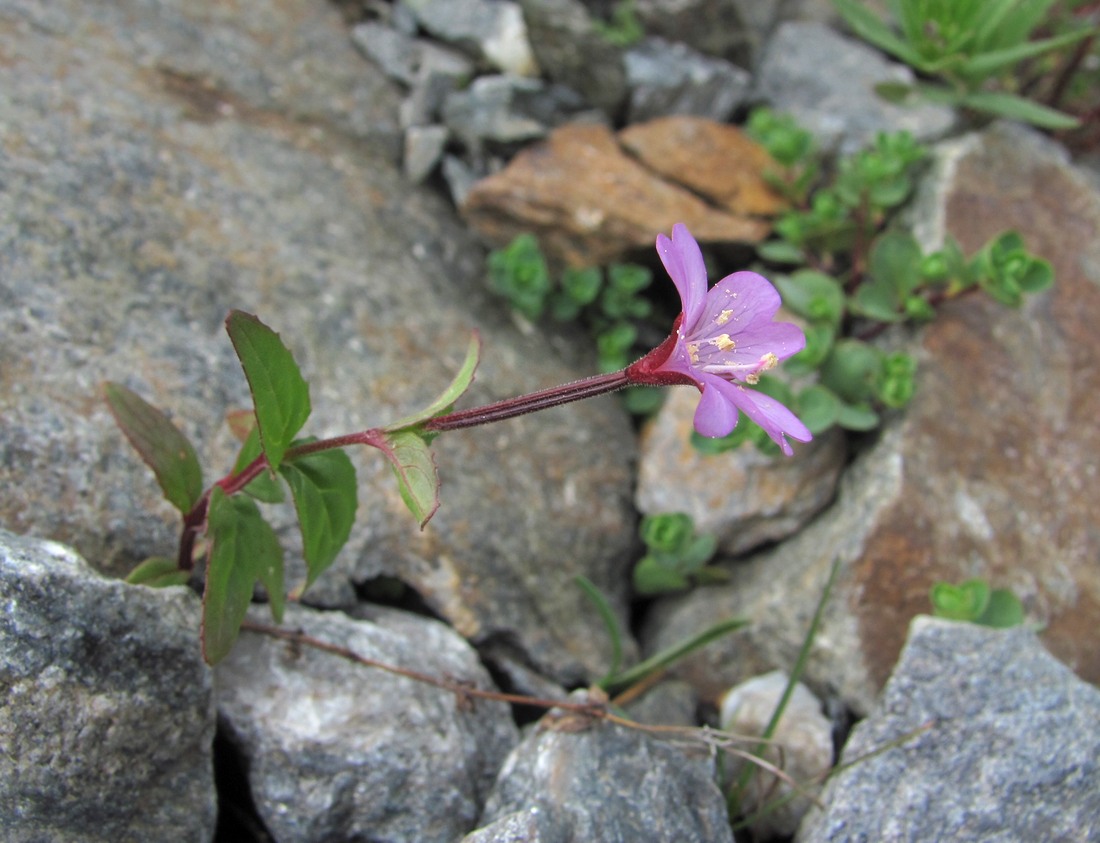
[[740, 302], [715, 415], [773, 417], [683, 262]]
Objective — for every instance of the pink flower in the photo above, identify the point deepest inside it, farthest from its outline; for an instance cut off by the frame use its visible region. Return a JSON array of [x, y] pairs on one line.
[[721, 342]]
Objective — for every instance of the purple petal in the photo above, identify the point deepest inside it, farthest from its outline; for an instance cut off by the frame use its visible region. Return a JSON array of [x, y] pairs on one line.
[[684, 264], [715, 414], [780, 338], [772, 416], [741, 301]]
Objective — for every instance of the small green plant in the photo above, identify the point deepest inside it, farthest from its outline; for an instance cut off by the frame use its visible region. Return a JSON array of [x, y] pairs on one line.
[[972, 47], [676, 557], [853, 275], [611, 302], [624, 29], [976, 602]]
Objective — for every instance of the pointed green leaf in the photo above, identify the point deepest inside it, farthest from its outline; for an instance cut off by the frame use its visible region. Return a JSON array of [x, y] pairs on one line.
[[160, 444], [1004, 104], [1003, 610], [243, 548], [985, 64], [325, 497], [266, 487], [965, 602], [279, 393], [414, 467], [868, 26], [452, 393], [158, 572], [651, 577]]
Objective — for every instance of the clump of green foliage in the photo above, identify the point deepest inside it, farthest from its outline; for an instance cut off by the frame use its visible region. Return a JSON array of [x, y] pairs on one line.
[[976, 602], [676, 556], [852, 275], [971, 48], [611, 302]]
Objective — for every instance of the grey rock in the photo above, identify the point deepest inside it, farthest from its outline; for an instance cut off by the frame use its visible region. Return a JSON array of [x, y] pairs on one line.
[[571, 52], [492, 30], [998, 741], [488, 111], [668, 703], [460, 177], [744, 497], [106, 708], [826, 81], [670, 78], [142, 202], [802, 747], [531, 825], [714, 27], [337, 750], [424, 147], [600, 781]]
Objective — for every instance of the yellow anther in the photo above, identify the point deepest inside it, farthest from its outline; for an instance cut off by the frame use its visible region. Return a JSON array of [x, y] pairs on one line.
[[723, 317], [769, 361], [724, 342]]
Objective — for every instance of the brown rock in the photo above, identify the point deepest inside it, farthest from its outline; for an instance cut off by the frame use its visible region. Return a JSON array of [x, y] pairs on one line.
[[716, 160], [991, 472], [589, 203], [743, 497]]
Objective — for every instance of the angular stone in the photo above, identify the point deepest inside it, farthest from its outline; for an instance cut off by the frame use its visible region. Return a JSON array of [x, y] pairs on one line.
[[106, 708], [589, 203], [801, 746], [424, 147], [744, 497], [717, 161], [572, 53], [983, 725], [341, 751], [990, 472], [149, 188], [826, 82], [492, 30], [714, 27], [600, 781], [666, 77]]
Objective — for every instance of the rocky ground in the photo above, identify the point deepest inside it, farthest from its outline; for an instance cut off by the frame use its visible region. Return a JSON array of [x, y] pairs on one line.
[[341, 171]]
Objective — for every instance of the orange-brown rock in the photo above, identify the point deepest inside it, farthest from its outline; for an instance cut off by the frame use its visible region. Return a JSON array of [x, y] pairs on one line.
[[716, 160], [589, 203]]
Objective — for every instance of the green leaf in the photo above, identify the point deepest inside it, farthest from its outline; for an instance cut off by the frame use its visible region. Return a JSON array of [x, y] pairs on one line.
[[160, 444], [446, 399], [1038, 276], [610, 622], [780, 251], [894, 92], [870, 28], [662, 659], [819, 343], [667, 532], [243, 548], [651, 577], [414, 467], [965, 602], [852, 370], [813, 295], [158, 572], [279, 393], [818, 408], [1004, 104], [266, 486], [326, 498], [1003, 610], [878, 301], [858, 417], [985, 64]]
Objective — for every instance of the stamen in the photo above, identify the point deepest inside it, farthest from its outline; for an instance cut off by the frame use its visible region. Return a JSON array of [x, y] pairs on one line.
[[723, 317], [725, 343]]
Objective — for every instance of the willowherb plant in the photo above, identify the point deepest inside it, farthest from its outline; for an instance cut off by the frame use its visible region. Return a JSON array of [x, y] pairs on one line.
[[720, 343]]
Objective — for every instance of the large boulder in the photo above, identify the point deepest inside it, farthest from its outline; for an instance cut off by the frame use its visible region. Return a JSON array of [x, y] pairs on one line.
[[166, 162]]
